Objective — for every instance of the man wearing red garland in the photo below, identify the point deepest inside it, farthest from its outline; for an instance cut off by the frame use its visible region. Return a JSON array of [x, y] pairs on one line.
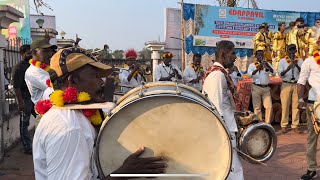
[[63, 145], [310, 73], [193, 73], [221, 91], [167, 71], [131, 75], [289, 70], [260, 70], [37, 74]]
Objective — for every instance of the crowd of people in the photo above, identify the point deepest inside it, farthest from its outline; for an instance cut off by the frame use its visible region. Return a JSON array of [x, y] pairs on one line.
[[63, 144]]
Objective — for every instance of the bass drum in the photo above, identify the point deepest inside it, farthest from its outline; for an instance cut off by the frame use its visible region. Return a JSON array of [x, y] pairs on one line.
[[171, 120], [257, 140]]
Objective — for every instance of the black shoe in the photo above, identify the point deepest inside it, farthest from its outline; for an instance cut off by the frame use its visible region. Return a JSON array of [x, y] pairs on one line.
[[29, 151], [309, 175]]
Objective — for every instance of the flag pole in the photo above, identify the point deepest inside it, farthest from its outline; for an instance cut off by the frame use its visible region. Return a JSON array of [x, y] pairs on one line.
[[182, 39]]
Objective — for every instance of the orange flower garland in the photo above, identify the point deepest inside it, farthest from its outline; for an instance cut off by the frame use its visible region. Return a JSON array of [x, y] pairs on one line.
[[70, 95], [316, 56], [289, 61], [196, 69], [39, 64], [256, 63]]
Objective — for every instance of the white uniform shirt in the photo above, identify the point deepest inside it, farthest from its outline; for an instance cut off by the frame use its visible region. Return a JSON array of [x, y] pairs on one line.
[[310, 71], [123, 76], [63, 146], [36, 79], [162, 70], [189, 74], [261, 77], [283, 65], [216, 87], [312, 95], [235, 78]]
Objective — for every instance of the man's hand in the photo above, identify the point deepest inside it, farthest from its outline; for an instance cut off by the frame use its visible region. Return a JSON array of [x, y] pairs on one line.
[[21, 107], [136, 165], [302, 104]]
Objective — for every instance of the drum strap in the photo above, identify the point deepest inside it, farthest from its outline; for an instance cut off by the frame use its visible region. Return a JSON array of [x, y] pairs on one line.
[[230, 84]]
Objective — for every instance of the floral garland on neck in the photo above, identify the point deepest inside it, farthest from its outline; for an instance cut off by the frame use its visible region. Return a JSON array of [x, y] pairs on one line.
[[256, 63], [70, 96], [316, 56], [296, 59], [135, 75], [39, 64], [196, 69]]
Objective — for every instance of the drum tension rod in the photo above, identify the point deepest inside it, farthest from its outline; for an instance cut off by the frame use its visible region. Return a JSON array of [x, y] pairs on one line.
[[178, 92], [141, 90]]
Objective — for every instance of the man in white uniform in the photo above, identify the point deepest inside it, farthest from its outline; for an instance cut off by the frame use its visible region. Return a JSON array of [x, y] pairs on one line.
[[310, 72], [36, 77], [260, 72], [289, 70], [63, 144], [167, 71], [130, 75], [193, 73], [219, 86]]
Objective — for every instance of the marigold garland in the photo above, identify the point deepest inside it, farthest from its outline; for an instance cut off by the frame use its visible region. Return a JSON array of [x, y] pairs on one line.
[[289, 61], [166, 55], [196, 69], [135, 75], [316, 56], [70, 95], [39, 64], [49, 83], [256, 64]]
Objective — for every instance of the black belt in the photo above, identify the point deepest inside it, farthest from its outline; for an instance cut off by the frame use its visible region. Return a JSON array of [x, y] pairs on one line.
[[311, 102], [291, 82], [261, 85]]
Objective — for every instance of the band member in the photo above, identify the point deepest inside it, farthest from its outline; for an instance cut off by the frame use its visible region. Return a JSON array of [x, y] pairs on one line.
[[260, 70], [63, 144], [296, 36], [289, 70], [131, 74], [262, 42], [309, 73], [167, 71], [312, 36], [235, 75], [37, 75], [279, 44], [218, 86], [193, 73]]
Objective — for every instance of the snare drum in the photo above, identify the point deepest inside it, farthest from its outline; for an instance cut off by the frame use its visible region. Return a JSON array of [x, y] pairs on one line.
[[170, 120]]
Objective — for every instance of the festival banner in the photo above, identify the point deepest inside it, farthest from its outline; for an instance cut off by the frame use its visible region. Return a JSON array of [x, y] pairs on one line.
[[18, 29], [239, 25]]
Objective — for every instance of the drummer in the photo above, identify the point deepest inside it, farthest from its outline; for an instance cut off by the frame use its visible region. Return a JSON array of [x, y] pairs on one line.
[[63, 143], [167, 71], [130, 74], [218, 85], [310, 72]]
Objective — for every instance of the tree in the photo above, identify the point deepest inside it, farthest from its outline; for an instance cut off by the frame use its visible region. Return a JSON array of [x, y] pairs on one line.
[[118, 54], [145, 53]]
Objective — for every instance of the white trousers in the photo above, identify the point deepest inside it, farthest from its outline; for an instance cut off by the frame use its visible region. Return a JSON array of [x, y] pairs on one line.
[[236, 172]]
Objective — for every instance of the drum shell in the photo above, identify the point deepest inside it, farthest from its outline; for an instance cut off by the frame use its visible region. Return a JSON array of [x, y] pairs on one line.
[[168, 92]]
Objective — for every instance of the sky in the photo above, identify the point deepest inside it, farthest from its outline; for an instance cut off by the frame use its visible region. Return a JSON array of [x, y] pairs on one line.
[[124, 24]]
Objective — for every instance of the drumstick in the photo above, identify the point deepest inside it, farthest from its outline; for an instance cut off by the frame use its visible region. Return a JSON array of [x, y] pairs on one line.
[[250, 157], [316, 129]]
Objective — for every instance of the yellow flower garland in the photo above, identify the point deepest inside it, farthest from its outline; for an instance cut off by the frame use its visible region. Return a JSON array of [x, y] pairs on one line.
[[196, 69]]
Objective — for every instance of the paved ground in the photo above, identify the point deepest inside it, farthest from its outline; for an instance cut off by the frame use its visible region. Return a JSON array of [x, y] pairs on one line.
[[288, 163]]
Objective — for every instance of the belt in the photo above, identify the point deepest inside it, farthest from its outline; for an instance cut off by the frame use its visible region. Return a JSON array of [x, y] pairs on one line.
[[261, 85], [311, 102], [291, 82]]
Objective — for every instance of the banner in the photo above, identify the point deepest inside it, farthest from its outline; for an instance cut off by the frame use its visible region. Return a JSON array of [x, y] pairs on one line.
[[213, 24], [19, 29]]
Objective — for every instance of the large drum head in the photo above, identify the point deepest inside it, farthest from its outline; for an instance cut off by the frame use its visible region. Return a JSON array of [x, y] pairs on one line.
[[188, 135]]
